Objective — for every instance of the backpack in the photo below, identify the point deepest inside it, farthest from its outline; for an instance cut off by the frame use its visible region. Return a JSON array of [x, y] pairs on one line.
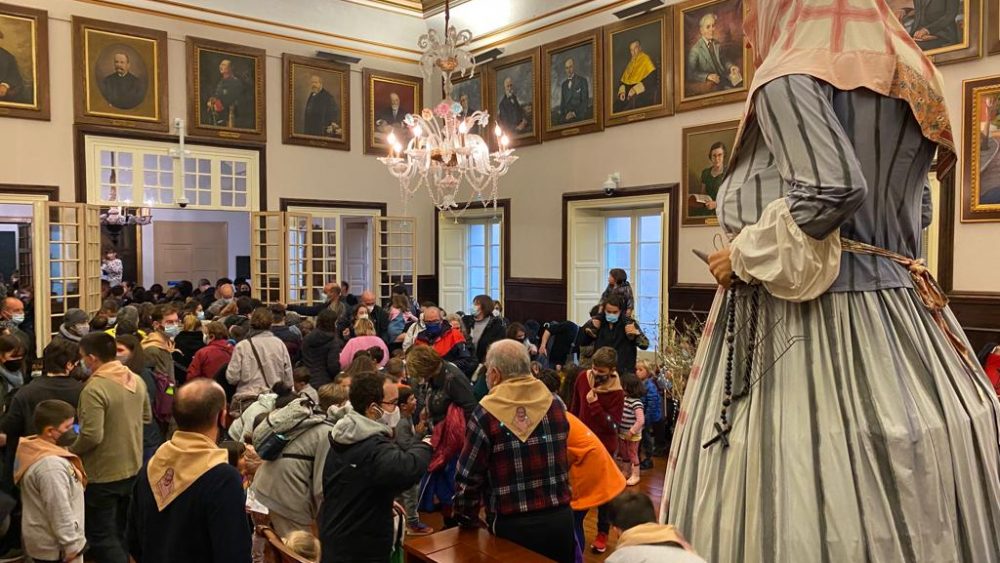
[[282, 426], [163, 398], [396, 327]]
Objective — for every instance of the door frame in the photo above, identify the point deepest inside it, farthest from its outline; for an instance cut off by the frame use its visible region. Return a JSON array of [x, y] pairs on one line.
[[505, 224], [596, 199]]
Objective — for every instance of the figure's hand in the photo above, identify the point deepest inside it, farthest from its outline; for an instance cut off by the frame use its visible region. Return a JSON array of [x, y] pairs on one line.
[[921, 34], [632, 92], [591, 396], [570, 115], [4, 88], [721, 267], [522, 125], [711, 205], [596, 322], [714, 78], [631, 330], [621, 93]]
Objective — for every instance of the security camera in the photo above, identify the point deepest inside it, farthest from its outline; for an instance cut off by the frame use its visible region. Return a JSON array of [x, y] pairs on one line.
[[611, 184], [183, 202]]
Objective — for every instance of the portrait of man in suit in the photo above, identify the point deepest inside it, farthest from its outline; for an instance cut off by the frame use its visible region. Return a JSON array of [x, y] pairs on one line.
[[228, 100], [122, 89], [512, 117], [709, 64], [321, 113], [390, 117], [639, 82], [933, 24], [575, 103], [12, 85]]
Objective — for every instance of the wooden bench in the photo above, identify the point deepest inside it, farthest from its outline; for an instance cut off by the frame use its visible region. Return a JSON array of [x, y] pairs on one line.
[[458, 545]]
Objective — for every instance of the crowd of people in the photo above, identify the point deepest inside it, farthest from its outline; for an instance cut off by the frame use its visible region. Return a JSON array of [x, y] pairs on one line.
[[204, 415]]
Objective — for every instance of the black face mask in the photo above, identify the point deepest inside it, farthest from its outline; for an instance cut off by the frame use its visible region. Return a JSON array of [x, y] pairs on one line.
[[67, 439], [12, 365]]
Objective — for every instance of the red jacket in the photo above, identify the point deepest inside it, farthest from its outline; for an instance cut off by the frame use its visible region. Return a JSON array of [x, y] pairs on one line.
[[992, 369], [603, 415], [209, 360]]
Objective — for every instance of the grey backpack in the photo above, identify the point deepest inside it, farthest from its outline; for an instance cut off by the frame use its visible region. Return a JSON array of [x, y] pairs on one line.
[[281, 426]]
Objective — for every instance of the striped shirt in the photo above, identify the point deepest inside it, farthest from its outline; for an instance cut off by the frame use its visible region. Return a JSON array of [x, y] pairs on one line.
[[628, 414], [849, 160]]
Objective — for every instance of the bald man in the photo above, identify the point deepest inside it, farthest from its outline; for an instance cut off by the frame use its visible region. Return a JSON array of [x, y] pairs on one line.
[[225, 295], [12, 316], [189, 502], [333, 293]]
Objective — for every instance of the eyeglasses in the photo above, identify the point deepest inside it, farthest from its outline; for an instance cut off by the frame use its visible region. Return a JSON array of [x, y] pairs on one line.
[[390, 403]]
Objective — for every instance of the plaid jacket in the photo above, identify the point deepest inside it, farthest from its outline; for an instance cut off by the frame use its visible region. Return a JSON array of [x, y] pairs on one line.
[[512, 476]]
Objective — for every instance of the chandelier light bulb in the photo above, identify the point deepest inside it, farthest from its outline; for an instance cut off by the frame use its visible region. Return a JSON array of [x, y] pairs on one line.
[[504, 141], [392, 139], [462, 128], [498, 131], [417, 131]]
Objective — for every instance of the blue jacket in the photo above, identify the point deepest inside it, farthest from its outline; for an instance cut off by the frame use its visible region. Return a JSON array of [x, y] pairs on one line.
[[651, 403]]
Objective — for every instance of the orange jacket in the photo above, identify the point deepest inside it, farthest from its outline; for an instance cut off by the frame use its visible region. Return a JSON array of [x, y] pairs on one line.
[[593, 475]]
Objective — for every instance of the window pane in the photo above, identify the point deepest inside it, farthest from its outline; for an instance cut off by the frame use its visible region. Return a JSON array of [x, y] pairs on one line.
[[649, 256], [241, 200], [495, 256], [477, 257], [477, 278], [477, 235], [227, 199], [618, 256], [495, 233], [227, 167], [204, 165], [495, 282], [149, 161], [649, 282], [619, 229], [650, 228]]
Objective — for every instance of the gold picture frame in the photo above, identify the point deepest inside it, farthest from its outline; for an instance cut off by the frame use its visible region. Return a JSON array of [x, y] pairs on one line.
[[650, 36], [380, 117], [700, 147], [567, 110], [944, 41], [516, 113], [981, 150], [226, 90], [698, 80], [120, 75], [24, 50], [316, 103]]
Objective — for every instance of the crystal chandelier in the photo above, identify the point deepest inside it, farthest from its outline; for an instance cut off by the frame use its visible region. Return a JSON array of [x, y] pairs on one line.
[[443, 153]]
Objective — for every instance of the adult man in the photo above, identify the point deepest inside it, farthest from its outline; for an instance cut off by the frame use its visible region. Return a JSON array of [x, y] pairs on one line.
[[224, 295], [574, 102], [378, 316], [225, 105], [11, 83], [346, 295], [612, 328], [60, 358], [639, 85], [333, 294], [390, 119], [189, 502], [510, 114], [122, 89], [291, 337], [113, 407], [706, 63], [515, 458], [11, 318], [935, 23], [75, 325], [365, 471], [447, 341], [159, 344], [322, 112]]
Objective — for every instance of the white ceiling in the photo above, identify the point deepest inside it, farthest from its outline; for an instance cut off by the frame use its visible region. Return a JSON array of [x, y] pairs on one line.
[[389, 27]]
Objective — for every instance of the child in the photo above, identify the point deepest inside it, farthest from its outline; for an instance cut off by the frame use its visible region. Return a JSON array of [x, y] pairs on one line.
[[630, 429], [300, 377], [52, 482], [642, 539], [395, 369], [407, 433], [652, 407], [303, 544]]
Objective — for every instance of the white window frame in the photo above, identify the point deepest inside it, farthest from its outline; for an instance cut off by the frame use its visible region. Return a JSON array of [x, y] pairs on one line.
[[488, 243], [339, 214], [635, 259], [446, 226], [95, 144]]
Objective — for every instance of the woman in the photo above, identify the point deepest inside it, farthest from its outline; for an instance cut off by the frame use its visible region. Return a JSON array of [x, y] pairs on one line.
[[130, 353], [482, 326], [214, 356], [867, 432], [12, 369], [321, 349], [400, 317], [445, 393], [618, 285], [516, 331], [188, 341], [111, 268], [364, 339], [711, 177], [261, 360]]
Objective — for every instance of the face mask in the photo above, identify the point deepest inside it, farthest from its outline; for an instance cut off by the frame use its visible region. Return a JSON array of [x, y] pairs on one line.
[[123, 358], [435, 329], [390, 419], [12, 365], [200, 315], [477, 309], [172, 331], [370, 308], [17, 318], [82, 329], [67, 438], [611, 318], [84, 370], [496, 312], [112, 321]]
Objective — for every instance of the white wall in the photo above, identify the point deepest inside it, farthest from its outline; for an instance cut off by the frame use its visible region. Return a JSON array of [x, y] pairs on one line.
[[238, 237]]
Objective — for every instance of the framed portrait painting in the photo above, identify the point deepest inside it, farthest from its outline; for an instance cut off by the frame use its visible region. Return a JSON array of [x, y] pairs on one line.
[[470, 93], [514, 97], [389, 97], [712, 64], [992, 28], [948, 31], [316, 103], [981, 150], [120, 75], [226, 90], [573, 93], [706, 151], [24, 62], [637, 69]]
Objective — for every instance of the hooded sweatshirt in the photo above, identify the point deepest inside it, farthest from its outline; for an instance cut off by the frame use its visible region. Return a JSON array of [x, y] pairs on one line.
[[364, 472], [114, 405], [264, 403], [51, 480], [159, 351]]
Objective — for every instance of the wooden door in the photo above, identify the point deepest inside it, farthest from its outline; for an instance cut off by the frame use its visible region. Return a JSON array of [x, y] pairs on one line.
[[185, 250], [357, 253]]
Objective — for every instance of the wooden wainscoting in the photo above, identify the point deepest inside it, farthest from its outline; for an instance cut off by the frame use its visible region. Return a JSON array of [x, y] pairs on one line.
[[979, 315], [540, 299]]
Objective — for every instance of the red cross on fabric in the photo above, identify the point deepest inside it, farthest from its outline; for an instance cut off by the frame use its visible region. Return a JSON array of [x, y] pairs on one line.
[[839, 12]]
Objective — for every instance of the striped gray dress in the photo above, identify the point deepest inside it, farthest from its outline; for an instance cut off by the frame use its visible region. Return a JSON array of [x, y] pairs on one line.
[[859, 436]]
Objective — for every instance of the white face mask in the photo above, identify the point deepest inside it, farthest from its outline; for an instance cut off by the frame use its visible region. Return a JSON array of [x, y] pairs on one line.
[[123, 358], [17, 318], [496, 312], [82, 329], [390, 419], [112, 321]]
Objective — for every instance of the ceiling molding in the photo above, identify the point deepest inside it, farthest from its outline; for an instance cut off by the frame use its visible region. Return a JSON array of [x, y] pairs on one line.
[[435, 7], [481, 47], [282, 36]]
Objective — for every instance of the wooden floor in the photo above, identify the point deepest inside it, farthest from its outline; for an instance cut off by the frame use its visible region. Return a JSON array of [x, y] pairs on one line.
[[651, 484]]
